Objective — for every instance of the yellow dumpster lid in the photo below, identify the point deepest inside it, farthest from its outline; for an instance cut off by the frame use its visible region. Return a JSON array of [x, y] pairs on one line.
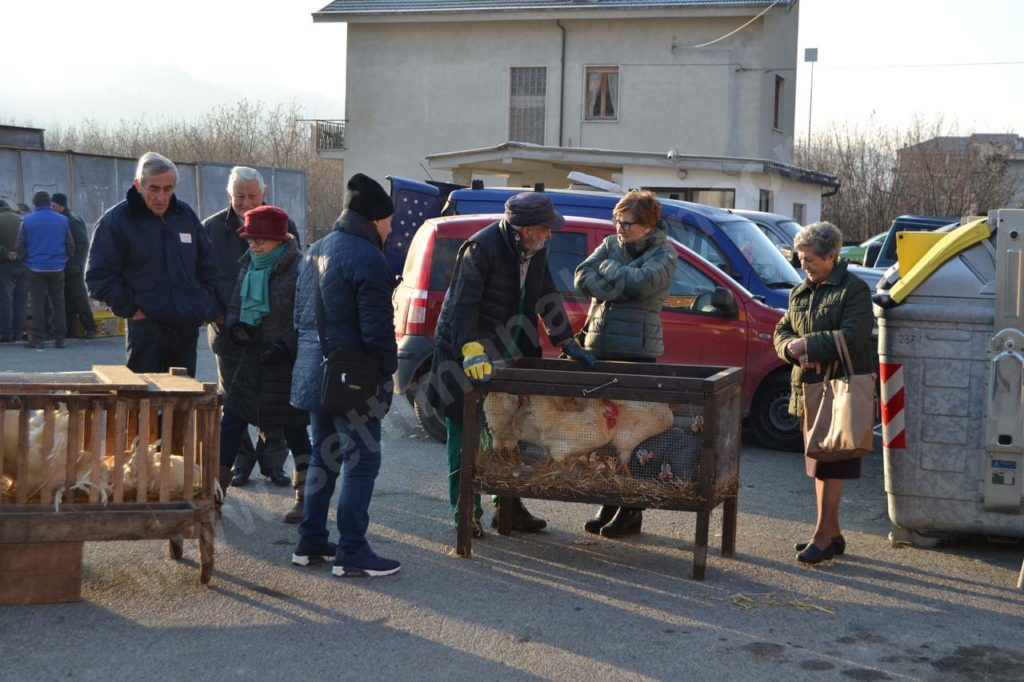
[[951, 244], [912, 246]]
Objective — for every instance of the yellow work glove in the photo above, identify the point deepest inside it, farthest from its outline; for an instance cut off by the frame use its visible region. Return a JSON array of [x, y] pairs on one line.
[[475, 363]]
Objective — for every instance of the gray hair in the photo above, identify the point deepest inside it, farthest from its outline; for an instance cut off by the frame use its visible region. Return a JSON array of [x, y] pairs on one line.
[[244, 174], [822, 238], [152, 163]]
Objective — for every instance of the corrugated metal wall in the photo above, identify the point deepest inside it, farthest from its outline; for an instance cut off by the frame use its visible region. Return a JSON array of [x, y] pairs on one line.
[[95, 183]]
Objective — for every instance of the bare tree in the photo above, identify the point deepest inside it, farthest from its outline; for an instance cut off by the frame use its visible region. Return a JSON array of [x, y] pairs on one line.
[[245, 133]]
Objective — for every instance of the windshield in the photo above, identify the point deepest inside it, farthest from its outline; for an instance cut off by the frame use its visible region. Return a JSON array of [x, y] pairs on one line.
[[790, 227], [770, 265]]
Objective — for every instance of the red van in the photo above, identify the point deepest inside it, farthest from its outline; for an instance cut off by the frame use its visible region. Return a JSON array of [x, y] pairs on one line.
[[708, 319]]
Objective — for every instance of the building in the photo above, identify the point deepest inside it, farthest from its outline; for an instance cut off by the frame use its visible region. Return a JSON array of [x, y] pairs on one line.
[[693, 98]]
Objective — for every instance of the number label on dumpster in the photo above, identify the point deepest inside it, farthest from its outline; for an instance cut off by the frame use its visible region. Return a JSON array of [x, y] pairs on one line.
[[905, 339]]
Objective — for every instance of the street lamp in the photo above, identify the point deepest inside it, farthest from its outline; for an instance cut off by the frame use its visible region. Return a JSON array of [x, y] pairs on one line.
[[810, 55]]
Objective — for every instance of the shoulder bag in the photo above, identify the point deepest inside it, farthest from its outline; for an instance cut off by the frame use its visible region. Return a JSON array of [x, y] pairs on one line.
[[839, 412], [351, 378]]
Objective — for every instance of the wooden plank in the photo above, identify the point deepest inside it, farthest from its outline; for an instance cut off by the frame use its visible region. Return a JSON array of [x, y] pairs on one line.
[[41, 573], [169, 383], [21, 494], [96, 449], [119, 377], [166, 448], [72, 450], [120, 445], [610, 393], [49, 428], [142, 454], [97, 526], [3, 419], [189, 454], [211, 445]]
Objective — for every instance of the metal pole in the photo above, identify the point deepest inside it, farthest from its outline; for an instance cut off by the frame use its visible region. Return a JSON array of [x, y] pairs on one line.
[[810, 108]]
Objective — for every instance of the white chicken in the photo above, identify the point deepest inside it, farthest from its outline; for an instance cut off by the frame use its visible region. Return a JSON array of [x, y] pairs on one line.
[[564, 426], [500, 412], [634, 422]]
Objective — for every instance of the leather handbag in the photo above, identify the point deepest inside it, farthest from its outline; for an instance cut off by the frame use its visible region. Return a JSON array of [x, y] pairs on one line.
[[839, 412], [351, 379]]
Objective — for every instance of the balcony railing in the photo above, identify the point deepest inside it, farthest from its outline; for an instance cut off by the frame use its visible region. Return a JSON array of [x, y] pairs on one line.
[[330, 135]]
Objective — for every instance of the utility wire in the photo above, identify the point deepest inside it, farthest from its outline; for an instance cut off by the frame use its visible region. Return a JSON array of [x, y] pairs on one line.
[[734, 31]]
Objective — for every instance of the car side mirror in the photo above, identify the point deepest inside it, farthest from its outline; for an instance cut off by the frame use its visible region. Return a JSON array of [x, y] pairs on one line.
[[871, 255], [724, 302]]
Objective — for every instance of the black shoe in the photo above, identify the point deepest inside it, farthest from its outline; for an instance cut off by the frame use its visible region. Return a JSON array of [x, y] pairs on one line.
[[626, 522], [838, 544], [813, 555], [90, 334], [240, 478], [604, 516], [59, 343], [34, 345], [522, 520], [279, 478]]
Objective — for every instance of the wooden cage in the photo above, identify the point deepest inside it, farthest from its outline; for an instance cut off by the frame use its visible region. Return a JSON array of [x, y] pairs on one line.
[[107, 455], [635, 434]]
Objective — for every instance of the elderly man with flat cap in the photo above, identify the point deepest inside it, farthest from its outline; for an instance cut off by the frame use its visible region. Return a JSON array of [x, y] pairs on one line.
[[500, 285]]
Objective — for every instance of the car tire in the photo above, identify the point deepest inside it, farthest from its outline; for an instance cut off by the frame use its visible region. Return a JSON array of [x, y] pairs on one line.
[[431, 422], [772, 424]]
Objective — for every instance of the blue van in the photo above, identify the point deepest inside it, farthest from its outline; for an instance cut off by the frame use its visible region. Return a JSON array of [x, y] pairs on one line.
[[731, 242]]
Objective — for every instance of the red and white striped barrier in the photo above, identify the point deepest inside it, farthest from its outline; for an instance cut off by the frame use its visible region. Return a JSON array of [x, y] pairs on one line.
[[894, 433]]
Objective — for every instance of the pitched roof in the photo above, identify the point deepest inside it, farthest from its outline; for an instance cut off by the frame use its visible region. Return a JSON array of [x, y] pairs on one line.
[[398, 7]]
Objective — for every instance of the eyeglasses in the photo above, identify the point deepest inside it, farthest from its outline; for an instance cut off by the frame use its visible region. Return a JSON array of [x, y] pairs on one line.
[[256, 241], [627, 226]]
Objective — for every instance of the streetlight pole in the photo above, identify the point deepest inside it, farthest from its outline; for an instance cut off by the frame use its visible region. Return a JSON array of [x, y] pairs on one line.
[[810, 55]]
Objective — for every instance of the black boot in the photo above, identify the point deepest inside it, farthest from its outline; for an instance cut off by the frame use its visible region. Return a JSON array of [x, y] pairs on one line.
[[522, 519], [604, 515], [294, 515], [626, 522]]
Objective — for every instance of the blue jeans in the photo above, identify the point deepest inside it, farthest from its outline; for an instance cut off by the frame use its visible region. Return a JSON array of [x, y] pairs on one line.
[[13, 292], [339, 446]]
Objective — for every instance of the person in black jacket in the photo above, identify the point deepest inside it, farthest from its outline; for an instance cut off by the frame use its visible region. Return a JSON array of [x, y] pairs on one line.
[[500, 285], [259, 319], [152, 263], [246, 190], [76, 299]]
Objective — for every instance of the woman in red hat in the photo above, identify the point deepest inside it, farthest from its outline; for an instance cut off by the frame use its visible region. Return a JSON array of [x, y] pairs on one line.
[[260, 320]]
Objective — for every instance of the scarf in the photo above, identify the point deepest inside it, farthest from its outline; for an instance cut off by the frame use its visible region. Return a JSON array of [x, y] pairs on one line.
[[256, 286]]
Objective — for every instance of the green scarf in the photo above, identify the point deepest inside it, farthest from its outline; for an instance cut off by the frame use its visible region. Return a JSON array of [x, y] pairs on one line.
[[256, 286]]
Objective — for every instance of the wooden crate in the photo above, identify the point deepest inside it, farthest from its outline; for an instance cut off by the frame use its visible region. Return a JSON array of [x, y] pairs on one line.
[[41, 573], [157, 422], [704, 400]]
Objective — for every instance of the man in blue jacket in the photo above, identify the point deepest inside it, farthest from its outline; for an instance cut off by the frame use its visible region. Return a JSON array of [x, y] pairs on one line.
[[45, 244], [152, 263]]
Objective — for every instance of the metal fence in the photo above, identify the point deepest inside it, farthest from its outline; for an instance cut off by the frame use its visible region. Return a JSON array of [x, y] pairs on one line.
[[330, 135], [95, 183]]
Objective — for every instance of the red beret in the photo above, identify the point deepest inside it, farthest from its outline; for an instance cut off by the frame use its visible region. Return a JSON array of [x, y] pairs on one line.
[[266, 222]]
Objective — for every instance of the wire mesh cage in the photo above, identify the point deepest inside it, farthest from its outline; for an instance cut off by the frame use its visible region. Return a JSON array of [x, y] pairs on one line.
[[634, 434]]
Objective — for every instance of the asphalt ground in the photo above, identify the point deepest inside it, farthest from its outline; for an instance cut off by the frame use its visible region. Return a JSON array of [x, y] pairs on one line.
[[557, 605]]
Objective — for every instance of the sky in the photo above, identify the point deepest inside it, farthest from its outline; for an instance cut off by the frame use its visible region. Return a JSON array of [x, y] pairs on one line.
[[887, 59]]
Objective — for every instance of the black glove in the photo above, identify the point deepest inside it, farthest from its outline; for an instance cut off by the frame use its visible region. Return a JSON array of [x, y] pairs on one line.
[[275, 355], [573, 350], [243, 334]]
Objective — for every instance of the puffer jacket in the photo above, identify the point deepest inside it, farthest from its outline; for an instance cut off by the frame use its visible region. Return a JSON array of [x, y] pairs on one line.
[[843, 302], [163, 265], [628, 284], [260, 393], [482, 304], [356, 285]]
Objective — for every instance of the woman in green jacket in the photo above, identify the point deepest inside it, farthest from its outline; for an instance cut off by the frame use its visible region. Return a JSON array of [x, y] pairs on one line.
[[628, 279], [830, 298]]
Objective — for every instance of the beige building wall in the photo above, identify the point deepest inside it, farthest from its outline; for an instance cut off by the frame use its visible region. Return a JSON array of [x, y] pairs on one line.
[[415, 89]]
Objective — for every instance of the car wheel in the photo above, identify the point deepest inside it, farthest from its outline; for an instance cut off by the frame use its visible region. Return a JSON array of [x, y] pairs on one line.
[[773, 425], [431, 422]]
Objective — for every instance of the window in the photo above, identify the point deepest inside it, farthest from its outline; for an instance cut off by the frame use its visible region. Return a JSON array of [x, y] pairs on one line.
[[720, 198], [694, 239], [777, 112], [798, 212], [690, 290], [566, 250], [602, 84], [772, 237], [764, 201], [527, 93]]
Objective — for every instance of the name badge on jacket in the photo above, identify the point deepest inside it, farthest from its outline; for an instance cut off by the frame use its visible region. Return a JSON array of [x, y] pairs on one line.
[[186, 238]]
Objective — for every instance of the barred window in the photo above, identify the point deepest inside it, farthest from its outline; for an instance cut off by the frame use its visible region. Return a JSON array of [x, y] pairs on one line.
[[527, 94]]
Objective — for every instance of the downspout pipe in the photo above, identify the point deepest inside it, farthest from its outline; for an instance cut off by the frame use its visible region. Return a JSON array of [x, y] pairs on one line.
[[561, 85]]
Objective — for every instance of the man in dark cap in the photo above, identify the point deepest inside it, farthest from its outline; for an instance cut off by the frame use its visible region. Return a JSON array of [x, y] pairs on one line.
[[76, 300], [501, 284], [12, 276], [45, 244], [348, 269]]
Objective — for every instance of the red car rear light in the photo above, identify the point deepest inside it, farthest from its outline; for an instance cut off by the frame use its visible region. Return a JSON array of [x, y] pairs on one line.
[[416, 313]]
